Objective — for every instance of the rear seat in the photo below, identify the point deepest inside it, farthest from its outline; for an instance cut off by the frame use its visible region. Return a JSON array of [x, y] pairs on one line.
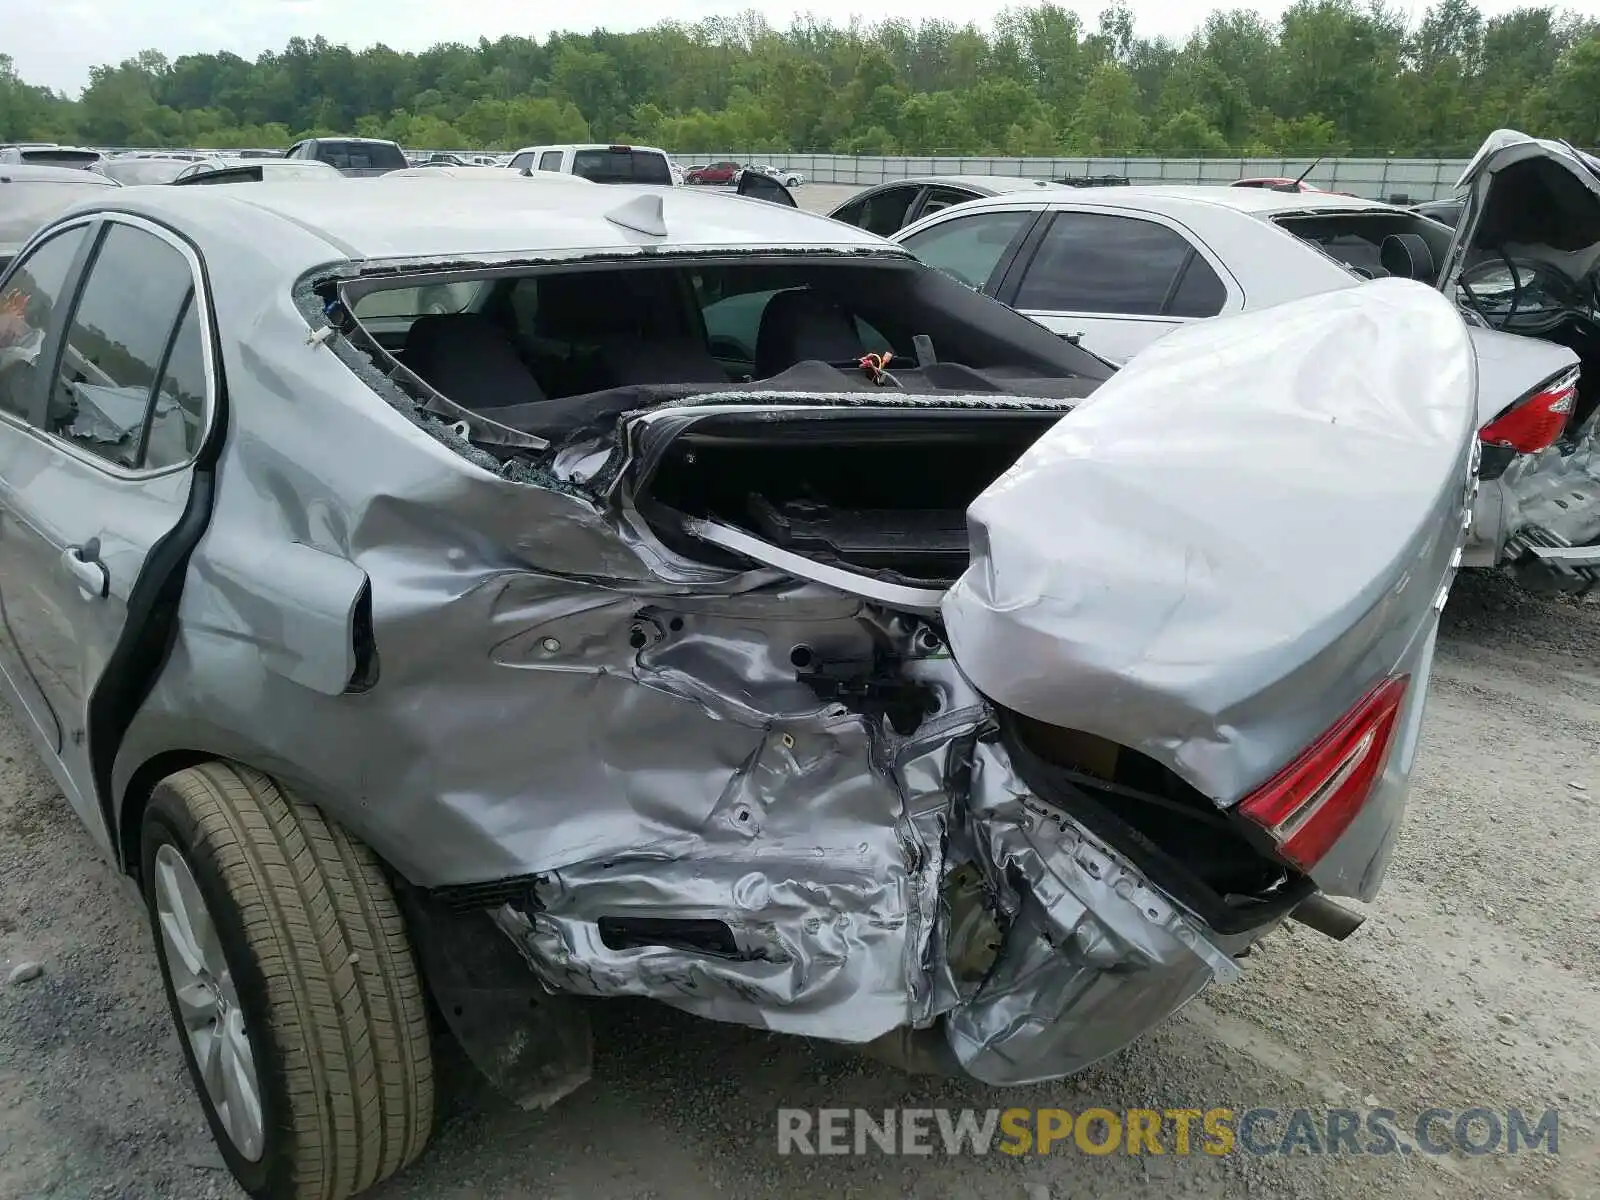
[[471, 360]]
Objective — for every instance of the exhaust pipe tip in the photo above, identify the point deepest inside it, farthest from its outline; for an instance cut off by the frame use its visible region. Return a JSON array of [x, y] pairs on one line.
[[1326, 917]]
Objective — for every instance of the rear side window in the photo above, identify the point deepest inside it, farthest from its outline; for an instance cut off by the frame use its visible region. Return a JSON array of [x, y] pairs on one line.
[[176, 420], [361, 156], [969, 248], [550, 160], [61, 158], [1099, 263], [26, 305], [882, 212], [117, 345], [941, 198], [619, 165], [522, 162]]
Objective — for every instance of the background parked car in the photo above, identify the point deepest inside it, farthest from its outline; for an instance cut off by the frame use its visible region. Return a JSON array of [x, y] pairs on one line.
[[351, 156], [890, 207], [1446, 211], [30, 196], [784, 175], [1120, 269], [723, 172], [257, 170], [598, 163], [142, 170], [50, 155]]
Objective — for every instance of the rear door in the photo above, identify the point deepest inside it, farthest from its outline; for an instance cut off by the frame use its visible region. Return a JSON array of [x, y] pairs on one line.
[[99, 470], [1117, 281]]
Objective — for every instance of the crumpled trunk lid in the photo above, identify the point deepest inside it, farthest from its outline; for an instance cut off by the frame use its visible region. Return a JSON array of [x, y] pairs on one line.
[[1234, 539]]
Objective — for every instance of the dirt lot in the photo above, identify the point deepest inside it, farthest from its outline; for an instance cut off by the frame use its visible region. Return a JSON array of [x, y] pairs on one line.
[[1476, 981]]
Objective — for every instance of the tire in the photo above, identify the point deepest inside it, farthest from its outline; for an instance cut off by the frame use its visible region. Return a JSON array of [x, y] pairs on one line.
[[318, 981]]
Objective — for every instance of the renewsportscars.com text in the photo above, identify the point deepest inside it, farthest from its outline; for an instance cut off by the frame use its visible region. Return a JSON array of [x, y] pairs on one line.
[[1178, 1131]]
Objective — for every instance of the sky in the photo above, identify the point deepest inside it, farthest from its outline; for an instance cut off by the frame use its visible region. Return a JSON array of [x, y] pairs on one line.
[[55, 42]]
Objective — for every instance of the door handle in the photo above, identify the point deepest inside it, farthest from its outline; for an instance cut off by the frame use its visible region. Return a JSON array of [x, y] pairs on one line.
[[87, 571]]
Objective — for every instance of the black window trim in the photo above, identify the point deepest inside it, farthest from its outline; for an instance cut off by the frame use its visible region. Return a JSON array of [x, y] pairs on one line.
[[55, 339], [1197, 249], [38, 403]]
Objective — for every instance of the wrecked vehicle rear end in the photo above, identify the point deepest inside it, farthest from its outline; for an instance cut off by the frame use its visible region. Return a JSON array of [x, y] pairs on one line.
[[1525, 260], [964, 704]]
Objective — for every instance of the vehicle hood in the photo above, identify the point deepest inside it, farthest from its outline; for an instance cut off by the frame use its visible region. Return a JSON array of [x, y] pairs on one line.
[[1127, 579], [1528, 192]]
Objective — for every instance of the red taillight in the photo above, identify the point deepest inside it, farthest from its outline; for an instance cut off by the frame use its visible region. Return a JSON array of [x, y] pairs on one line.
[[1309, 804], [1537, 422]]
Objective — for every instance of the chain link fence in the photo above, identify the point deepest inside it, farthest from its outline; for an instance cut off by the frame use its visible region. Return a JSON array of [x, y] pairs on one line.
[[1401, 180]]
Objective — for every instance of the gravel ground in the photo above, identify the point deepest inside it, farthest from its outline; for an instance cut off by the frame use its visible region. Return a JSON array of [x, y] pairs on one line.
[[1474, 982]]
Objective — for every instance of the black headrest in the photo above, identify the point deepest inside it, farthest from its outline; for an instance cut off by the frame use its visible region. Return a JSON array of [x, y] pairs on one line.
[[1409, 256], [799, 325], [471, 360]]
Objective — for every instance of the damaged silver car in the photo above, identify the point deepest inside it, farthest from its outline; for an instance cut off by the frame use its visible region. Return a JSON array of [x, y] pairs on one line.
[[688, 598], [1526, 260]]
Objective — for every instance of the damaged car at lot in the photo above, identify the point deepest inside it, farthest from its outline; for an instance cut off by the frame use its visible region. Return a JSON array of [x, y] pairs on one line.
[[1117, 270], [530, 599]]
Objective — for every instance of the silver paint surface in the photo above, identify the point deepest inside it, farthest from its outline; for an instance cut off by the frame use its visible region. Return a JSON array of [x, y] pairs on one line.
[[564, 699]]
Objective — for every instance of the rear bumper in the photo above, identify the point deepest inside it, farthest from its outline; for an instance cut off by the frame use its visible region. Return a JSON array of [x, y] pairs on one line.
[[1541, 518], [970, 911]]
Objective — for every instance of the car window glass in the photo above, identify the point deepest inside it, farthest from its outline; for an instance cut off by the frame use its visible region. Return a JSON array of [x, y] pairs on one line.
[[616, 165], [522, 162], [136, 290], [550, 160], [943, 198], [733, 323], [969, 248], [1095, 262], [884, 212], [429, 299], [1200, 293], [177, 419], [850, 214], [26, 303]]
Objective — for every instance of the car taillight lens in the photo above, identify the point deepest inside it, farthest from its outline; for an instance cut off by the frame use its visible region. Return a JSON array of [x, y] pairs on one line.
[[1537, 422], [1309, 804]]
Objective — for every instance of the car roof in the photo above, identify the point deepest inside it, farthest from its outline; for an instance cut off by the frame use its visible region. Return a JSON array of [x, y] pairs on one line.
[[1256, 201], [464, 220], [992, 184], [479, 173], [592, 146], [41, 173]]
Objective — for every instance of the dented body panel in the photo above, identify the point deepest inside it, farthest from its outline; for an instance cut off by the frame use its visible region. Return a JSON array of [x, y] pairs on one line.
[[781, 795]]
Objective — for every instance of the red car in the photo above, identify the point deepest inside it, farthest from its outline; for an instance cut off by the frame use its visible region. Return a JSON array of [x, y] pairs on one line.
[[717, 172]]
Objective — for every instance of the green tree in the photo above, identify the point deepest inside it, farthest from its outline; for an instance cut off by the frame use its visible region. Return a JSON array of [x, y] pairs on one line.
[[1329, 75]]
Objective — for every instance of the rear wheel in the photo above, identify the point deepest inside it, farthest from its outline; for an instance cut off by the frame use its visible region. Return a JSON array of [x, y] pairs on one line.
[[292, 984]]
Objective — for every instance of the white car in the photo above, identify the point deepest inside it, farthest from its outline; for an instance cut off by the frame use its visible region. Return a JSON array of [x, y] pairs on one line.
[[1116, 269], [598, 163]]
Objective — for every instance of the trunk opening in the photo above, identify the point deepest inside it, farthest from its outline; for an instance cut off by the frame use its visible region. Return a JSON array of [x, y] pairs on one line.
[[882, 494]]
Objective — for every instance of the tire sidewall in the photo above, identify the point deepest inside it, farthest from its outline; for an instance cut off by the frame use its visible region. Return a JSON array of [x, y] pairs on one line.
[[168, 820]]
